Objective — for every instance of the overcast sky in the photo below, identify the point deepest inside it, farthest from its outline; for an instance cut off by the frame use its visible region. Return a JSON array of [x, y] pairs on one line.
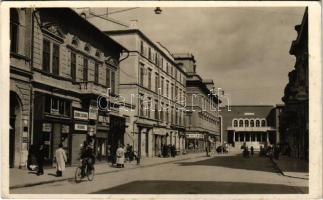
[[244, 50]]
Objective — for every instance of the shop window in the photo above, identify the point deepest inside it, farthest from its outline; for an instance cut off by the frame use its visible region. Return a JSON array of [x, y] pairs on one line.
[[54, 106], [14, 30]]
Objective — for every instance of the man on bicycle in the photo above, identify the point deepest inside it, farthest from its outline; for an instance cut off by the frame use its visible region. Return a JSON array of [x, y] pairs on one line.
[[87, 156]]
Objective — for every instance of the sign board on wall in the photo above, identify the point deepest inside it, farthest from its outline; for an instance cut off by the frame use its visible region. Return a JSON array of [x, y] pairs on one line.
[[93, 112], [80, 127], [65, 129], [47, 127], [81, 115]]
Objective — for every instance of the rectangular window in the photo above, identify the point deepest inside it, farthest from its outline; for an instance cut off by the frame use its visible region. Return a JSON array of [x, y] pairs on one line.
[[141, 105], [142, 73], [162, 63], [172, 92], [108, 78], [167, 68], [162, 85], [142, 47], [156, 82], [167, 89], [14, 31], [96, 73], [149, 53], [46, 56], [113, 82], [148, 107], [85, 69], [156, 110], [149, 79], [162, 112], [73, 66], [55, 61], [167, 114]]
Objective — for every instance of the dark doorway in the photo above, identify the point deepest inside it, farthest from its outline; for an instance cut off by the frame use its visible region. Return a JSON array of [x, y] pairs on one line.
[[116, 134], [15, 121]]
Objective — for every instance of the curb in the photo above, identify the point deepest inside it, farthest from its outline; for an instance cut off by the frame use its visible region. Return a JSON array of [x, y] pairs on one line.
[[101, 173], [282, 172]]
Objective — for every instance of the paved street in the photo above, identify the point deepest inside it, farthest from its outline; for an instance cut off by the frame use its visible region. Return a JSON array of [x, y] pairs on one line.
[[224, 174]]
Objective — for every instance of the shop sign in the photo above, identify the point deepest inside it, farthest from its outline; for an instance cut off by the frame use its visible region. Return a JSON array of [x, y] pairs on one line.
[[47, 127], [194, 135], [103, 119], [93, 113], [25, 139], [65, 129], [81, 115], [249, 113], [80, 127]]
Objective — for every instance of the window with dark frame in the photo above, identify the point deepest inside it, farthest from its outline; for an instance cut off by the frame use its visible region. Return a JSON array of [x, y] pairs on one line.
[[96, 73], [142, 47], [14, 30], [142, 73], [46, 55], [108, 78], [149, 79], [113, 82], [149, 53], [85, 69], [55, 61], [73, 66]]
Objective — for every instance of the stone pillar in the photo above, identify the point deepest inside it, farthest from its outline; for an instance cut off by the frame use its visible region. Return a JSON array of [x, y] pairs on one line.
[[261, 136], [244, 137]]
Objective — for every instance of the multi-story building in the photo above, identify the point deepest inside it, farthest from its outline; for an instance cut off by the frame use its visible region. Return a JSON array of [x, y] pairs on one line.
[[250, 125], [72, 64], [295, 114], [202, 117], [20, 86], [151, 81]]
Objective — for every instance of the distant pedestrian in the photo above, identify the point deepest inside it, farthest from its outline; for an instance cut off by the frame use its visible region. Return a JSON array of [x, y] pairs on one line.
[[120, 156], [40, 159], [251, 151], [60, 160]]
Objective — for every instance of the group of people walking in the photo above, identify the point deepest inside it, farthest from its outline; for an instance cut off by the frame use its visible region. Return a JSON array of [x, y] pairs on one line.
[[169, 150]]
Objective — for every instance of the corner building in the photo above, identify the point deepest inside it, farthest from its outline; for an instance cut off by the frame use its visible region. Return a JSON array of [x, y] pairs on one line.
[[73, 63], [152, 85]]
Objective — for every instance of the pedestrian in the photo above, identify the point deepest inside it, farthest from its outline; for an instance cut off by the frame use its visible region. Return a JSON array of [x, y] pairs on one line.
[[251, 151], [40, 159], [120, 156], [60, 157]]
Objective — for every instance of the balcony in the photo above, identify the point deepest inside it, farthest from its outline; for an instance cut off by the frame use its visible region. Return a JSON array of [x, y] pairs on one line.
[[93, 88]]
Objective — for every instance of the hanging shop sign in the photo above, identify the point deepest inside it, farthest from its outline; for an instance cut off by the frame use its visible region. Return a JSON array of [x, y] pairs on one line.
[[80, 127], [65, 129], [81, 115], [93, 112], [47, 127]]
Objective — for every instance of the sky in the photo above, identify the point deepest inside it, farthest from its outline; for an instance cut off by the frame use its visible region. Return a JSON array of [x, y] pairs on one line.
[[244, 50]]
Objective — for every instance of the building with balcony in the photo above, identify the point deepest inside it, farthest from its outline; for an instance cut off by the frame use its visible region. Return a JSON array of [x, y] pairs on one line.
[[60, 65], [202, 118], [295, 115], [154, 85], [251, 125]]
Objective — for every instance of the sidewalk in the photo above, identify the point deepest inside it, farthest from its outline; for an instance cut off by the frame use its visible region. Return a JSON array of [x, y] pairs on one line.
[[292, 167], [24, 178]]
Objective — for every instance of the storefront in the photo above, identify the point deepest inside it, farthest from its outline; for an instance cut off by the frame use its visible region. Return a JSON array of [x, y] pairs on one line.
[[52, 125], [195, 141]]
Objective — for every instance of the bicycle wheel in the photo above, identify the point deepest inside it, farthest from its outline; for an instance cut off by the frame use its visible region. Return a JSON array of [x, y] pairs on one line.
[[90, 174], [78, 174]]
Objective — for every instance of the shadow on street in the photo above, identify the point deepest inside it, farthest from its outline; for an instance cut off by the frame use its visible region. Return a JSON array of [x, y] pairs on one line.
[[201, 187], [254, 163]]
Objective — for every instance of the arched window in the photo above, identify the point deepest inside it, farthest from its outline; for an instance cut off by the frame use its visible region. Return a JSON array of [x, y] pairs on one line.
[[235, 123], [246, 123], [14, 30], [257, 123], [252, 123], [240, 123], [263, 122]]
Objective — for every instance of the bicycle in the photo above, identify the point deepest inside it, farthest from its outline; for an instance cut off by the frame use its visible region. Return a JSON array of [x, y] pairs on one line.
[[84, 170]]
